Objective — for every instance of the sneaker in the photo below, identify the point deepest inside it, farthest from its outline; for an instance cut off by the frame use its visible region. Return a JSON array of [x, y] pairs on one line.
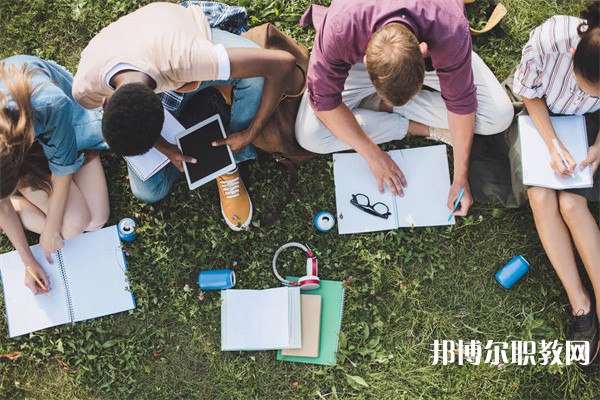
[[236, 206], [440, 135], [585, 328]]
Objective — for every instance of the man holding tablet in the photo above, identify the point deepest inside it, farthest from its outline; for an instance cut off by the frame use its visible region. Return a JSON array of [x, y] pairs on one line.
[[166, 47]]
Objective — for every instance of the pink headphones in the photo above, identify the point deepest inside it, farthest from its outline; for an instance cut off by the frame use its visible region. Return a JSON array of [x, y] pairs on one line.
[[309, 282]]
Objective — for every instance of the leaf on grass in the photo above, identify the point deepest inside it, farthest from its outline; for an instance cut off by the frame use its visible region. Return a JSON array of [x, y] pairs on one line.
[[356, 381], [62, 363], [159, 352], [11, 356]]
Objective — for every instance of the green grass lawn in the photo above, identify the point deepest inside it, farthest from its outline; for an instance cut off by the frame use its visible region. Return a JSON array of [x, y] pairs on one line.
[[408, 287]]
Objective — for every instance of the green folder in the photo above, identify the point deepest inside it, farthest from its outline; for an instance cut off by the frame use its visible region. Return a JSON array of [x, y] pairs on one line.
[[332, 294]]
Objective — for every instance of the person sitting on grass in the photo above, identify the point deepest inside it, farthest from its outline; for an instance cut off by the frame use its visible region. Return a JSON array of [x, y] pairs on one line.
[[47, 185], [559, 73], [366, 74], [166, 47]]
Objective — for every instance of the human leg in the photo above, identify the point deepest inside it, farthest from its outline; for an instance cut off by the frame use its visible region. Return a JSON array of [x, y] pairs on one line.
[[156, 187], [91, 182], [32, 218], [494, 111], [555, 237]]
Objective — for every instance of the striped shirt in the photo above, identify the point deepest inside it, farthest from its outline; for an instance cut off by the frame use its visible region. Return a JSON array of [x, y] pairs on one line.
[[546, 68]]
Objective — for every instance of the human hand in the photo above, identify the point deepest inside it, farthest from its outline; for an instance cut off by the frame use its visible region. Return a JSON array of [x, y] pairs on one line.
[[556, 161], [39, 272], [465, 202], [593, 158], [176, 157], [387, 171], [51, 241], [236, 140]]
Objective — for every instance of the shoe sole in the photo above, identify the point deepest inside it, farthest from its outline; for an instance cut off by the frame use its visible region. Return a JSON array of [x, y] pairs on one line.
[[241, 227]]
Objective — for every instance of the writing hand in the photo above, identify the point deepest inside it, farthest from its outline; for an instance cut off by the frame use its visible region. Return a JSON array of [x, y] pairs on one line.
[[557, 163], [30, 281], [387, 171], [465, 202], [236, 140]]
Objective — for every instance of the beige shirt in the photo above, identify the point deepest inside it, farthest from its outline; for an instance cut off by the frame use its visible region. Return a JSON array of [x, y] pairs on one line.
[[170, 43]]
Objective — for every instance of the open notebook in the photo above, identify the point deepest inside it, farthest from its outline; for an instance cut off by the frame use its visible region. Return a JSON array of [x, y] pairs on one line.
[[266, 319], [147, 164], [425, 197], [535, 157], [87, 280]]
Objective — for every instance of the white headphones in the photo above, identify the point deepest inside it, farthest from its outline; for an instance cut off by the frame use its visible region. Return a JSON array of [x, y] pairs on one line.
[[309, 282]]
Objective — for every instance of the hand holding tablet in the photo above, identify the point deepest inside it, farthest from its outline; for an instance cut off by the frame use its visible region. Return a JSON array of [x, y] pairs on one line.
[[211, 162]]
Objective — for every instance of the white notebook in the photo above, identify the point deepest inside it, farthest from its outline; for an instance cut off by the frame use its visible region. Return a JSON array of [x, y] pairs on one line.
[[87, 280], [425, 197], [268, 319], [535, 156], [147, 164]]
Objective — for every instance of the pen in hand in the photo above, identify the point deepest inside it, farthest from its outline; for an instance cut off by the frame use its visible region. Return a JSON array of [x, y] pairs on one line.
[[37, 280], [457, 202], [562, 155]]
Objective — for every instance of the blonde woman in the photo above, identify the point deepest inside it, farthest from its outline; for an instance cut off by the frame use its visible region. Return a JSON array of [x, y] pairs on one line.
[[47, 184]]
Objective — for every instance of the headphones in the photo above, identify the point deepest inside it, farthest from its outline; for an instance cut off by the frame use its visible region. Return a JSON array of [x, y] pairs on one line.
[[309, 282]]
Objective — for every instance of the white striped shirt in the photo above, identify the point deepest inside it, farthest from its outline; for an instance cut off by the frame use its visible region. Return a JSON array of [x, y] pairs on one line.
[[546, 68]]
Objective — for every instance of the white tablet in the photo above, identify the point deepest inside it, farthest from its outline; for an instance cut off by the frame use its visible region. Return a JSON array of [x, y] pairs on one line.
[[212, 162]]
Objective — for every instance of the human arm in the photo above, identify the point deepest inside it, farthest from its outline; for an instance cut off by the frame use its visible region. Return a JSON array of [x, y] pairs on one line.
[[461, 129], [51, 238], [11, 225], [276, 66], [343, 124], [593, 157], [537, 109], [173, 153]]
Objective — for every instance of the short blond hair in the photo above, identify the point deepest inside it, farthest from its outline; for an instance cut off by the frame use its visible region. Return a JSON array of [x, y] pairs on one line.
[[395, 63]]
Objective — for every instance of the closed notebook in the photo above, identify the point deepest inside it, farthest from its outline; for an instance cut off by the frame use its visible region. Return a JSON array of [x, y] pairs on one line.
[[266, 319], [332, 299], [311, 327], [87, 280], [535, 157]]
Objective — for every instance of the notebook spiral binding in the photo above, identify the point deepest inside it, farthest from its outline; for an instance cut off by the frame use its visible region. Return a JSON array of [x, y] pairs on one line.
[[63, 275]]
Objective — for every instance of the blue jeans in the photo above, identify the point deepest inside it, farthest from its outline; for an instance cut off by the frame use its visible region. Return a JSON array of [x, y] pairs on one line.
[[247, 96]]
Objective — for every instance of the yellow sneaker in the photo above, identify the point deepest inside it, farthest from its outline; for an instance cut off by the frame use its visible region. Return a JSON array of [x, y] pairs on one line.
[[236, 206]]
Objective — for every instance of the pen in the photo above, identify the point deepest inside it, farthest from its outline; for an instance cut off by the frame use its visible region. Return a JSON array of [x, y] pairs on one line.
[[37, 280], [561, 154], [457, 202]]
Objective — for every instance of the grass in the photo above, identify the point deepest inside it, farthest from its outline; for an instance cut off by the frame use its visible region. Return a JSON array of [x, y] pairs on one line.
[[408, 287]]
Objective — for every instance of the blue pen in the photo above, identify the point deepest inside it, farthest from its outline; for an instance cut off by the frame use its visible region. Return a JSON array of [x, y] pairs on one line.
[[457, 202]]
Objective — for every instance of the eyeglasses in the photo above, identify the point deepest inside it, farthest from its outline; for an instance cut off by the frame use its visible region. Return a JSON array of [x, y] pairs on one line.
[[362, 202]]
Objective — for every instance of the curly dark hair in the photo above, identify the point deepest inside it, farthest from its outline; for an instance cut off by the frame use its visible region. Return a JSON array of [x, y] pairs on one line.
[[133, 118], [585, 61]]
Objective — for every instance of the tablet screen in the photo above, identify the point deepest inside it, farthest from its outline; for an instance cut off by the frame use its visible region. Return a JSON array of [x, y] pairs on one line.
[[197, 144]]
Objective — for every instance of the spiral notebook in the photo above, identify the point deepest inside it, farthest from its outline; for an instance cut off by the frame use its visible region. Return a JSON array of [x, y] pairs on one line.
[[87, 280], [147, 164], [535, 157]]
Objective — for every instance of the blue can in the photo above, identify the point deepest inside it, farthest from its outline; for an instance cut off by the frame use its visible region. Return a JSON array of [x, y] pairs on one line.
[[324, 221], [126, 229], [216, 279], [512, 271]]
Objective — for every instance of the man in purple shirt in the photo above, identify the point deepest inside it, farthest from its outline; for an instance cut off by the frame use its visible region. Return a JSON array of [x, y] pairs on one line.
[[365, 77]]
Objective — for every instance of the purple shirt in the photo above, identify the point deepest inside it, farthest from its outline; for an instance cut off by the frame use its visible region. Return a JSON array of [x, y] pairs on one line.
[[345, 28]]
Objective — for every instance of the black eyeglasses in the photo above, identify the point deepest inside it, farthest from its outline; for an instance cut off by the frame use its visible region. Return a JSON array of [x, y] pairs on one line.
[[362, 202]]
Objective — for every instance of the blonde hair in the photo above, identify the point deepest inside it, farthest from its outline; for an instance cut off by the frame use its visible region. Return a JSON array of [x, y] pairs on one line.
[[395, 63], [16, 126]]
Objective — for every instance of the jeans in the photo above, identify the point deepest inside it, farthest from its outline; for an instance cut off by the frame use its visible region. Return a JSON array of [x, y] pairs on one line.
[[247, 96]]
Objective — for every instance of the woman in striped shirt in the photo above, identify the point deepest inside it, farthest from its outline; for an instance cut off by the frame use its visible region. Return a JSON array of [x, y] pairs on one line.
[[559, 74]]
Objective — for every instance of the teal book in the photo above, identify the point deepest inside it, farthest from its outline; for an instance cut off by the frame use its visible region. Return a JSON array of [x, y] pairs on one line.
[[332, 294]]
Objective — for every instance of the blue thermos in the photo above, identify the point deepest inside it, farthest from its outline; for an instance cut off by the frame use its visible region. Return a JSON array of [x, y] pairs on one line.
[[512, 271], [216, 279]]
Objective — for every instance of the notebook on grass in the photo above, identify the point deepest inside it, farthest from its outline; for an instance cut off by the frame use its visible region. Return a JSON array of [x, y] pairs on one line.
[[147, 164], [535, 157], [332, 299], [87, 280], [266, 319], [425, 197], [311, 327]]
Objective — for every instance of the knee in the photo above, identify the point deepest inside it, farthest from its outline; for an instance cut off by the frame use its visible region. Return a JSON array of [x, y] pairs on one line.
[[571, 205], [309, 134], [542, 200], [502, 116], [74, 224], [149, 197], [98, 218]]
